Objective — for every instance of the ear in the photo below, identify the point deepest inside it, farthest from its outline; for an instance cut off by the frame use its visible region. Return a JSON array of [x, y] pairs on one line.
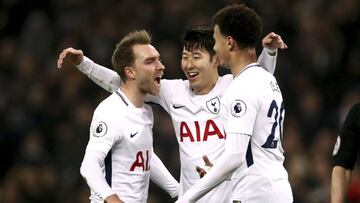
[[230, 42], [130, 72], [217, 60]]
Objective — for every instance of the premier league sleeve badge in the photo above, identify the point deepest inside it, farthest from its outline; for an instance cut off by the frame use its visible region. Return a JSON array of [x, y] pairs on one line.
[[238, 108], [100, 130]]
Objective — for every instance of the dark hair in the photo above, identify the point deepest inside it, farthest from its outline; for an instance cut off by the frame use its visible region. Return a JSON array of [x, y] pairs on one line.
[[199, 38], [123, 54], [241, 23]]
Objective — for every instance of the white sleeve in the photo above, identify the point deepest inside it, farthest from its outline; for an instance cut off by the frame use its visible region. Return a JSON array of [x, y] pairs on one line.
[[102, 76], [167, 89], [228, 163], [100, 143], [241, 106], [162, 177], [267, 59]]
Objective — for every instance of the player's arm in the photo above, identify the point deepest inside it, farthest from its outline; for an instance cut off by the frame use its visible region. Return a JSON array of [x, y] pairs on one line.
[[102, 76], [162, 177], [271, 43], [100, 143], [340, 180], [113, 199], [345, 155], [227, 164], [238, 130]]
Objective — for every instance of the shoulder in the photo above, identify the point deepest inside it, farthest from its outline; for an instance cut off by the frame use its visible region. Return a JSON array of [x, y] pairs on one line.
[[256, 77], [173, 82], [258, 72], [226, 79], [254, 81], [354, 114], [168, 86], [108, 106], [105, 104], [352, 121], [148, 108], [174, 87]]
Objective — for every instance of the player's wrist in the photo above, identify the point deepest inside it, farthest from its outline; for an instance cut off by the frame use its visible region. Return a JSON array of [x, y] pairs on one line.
[[271, 52], [81, 63]]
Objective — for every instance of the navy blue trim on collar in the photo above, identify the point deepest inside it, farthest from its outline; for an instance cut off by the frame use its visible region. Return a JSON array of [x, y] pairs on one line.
[[122, 98]]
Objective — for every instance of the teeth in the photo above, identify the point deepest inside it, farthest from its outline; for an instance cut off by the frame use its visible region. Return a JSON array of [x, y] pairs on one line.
[[192, 74]]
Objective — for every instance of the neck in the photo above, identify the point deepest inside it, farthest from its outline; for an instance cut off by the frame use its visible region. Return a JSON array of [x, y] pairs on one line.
[[133, 93], [240, 59]]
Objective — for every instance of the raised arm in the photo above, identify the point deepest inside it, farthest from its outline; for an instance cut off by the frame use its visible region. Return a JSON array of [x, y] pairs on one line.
[[102, 76], [271, 42]]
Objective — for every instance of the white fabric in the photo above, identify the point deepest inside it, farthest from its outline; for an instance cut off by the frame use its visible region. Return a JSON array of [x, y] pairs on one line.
[[261, 116], [162, 177], [196, 121], [220, 173], [125, 133], [102, 76], [249, 111]]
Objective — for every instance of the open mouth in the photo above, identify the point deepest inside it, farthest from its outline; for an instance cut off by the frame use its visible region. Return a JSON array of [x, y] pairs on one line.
[[157, 80], [192, 74]]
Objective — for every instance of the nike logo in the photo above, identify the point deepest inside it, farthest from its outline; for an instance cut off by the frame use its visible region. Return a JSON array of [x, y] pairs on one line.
[[177, 107], [132, 135]]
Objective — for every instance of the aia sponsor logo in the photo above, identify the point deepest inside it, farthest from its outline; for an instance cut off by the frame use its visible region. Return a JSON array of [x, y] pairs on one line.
[[141, 162], [210, 129]]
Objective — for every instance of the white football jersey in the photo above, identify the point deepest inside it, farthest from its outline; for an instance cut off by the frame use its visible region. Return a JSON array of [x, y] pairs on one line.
[[196, 120], [253, 106], [198, 128], [121, 145]]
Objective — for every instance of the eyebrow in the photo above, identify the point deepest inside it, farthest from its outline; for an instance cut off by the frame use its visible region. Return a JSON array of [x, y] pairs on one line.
[[197, 52], [192, 52], [152, 58]]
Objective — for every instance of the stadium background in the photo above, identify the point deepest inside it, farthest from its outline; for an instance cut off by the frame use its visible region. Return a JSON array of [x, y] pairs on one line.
[[45, 112]]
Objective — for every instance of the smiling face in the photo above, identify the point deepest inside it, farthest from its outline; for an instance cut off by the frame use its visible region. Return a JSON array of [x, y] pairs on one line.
[[200, 69], [148, 68]]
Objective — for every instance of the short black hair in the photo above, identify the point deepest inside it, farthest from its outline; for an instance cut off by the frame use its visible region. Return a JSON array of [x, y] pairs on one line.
[[241, 23], [199, 38]]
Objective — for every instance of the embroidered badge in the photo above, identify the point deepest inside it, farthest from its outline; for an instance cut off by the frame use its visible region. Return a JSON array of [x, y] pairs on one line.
[[100, 129], [238, 108], [213, 105]]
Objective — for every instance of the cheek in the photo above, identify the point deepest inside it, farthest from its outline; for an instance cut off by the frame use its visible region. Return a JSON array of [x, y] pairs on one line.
[[183, 64]]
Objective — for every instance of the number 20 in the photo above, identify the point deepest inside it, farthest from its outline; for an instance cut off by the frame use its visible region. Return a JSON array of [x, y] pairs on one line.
[[271, 142]]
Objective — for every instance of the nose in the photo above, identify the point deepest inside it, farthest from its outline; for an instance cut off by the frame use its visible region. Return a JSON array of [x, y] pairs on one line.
[[161, 67], [189, 63]]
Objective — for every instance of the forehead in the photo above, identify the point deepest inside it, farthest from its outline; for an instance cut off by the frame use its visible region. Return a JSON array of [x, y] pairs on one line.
[[143, 51], [202, 51]]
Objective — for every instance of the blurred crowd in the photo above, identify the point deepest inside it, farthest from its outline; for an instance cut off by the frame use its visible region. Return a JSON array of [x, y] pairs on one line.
[[45, 112]]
